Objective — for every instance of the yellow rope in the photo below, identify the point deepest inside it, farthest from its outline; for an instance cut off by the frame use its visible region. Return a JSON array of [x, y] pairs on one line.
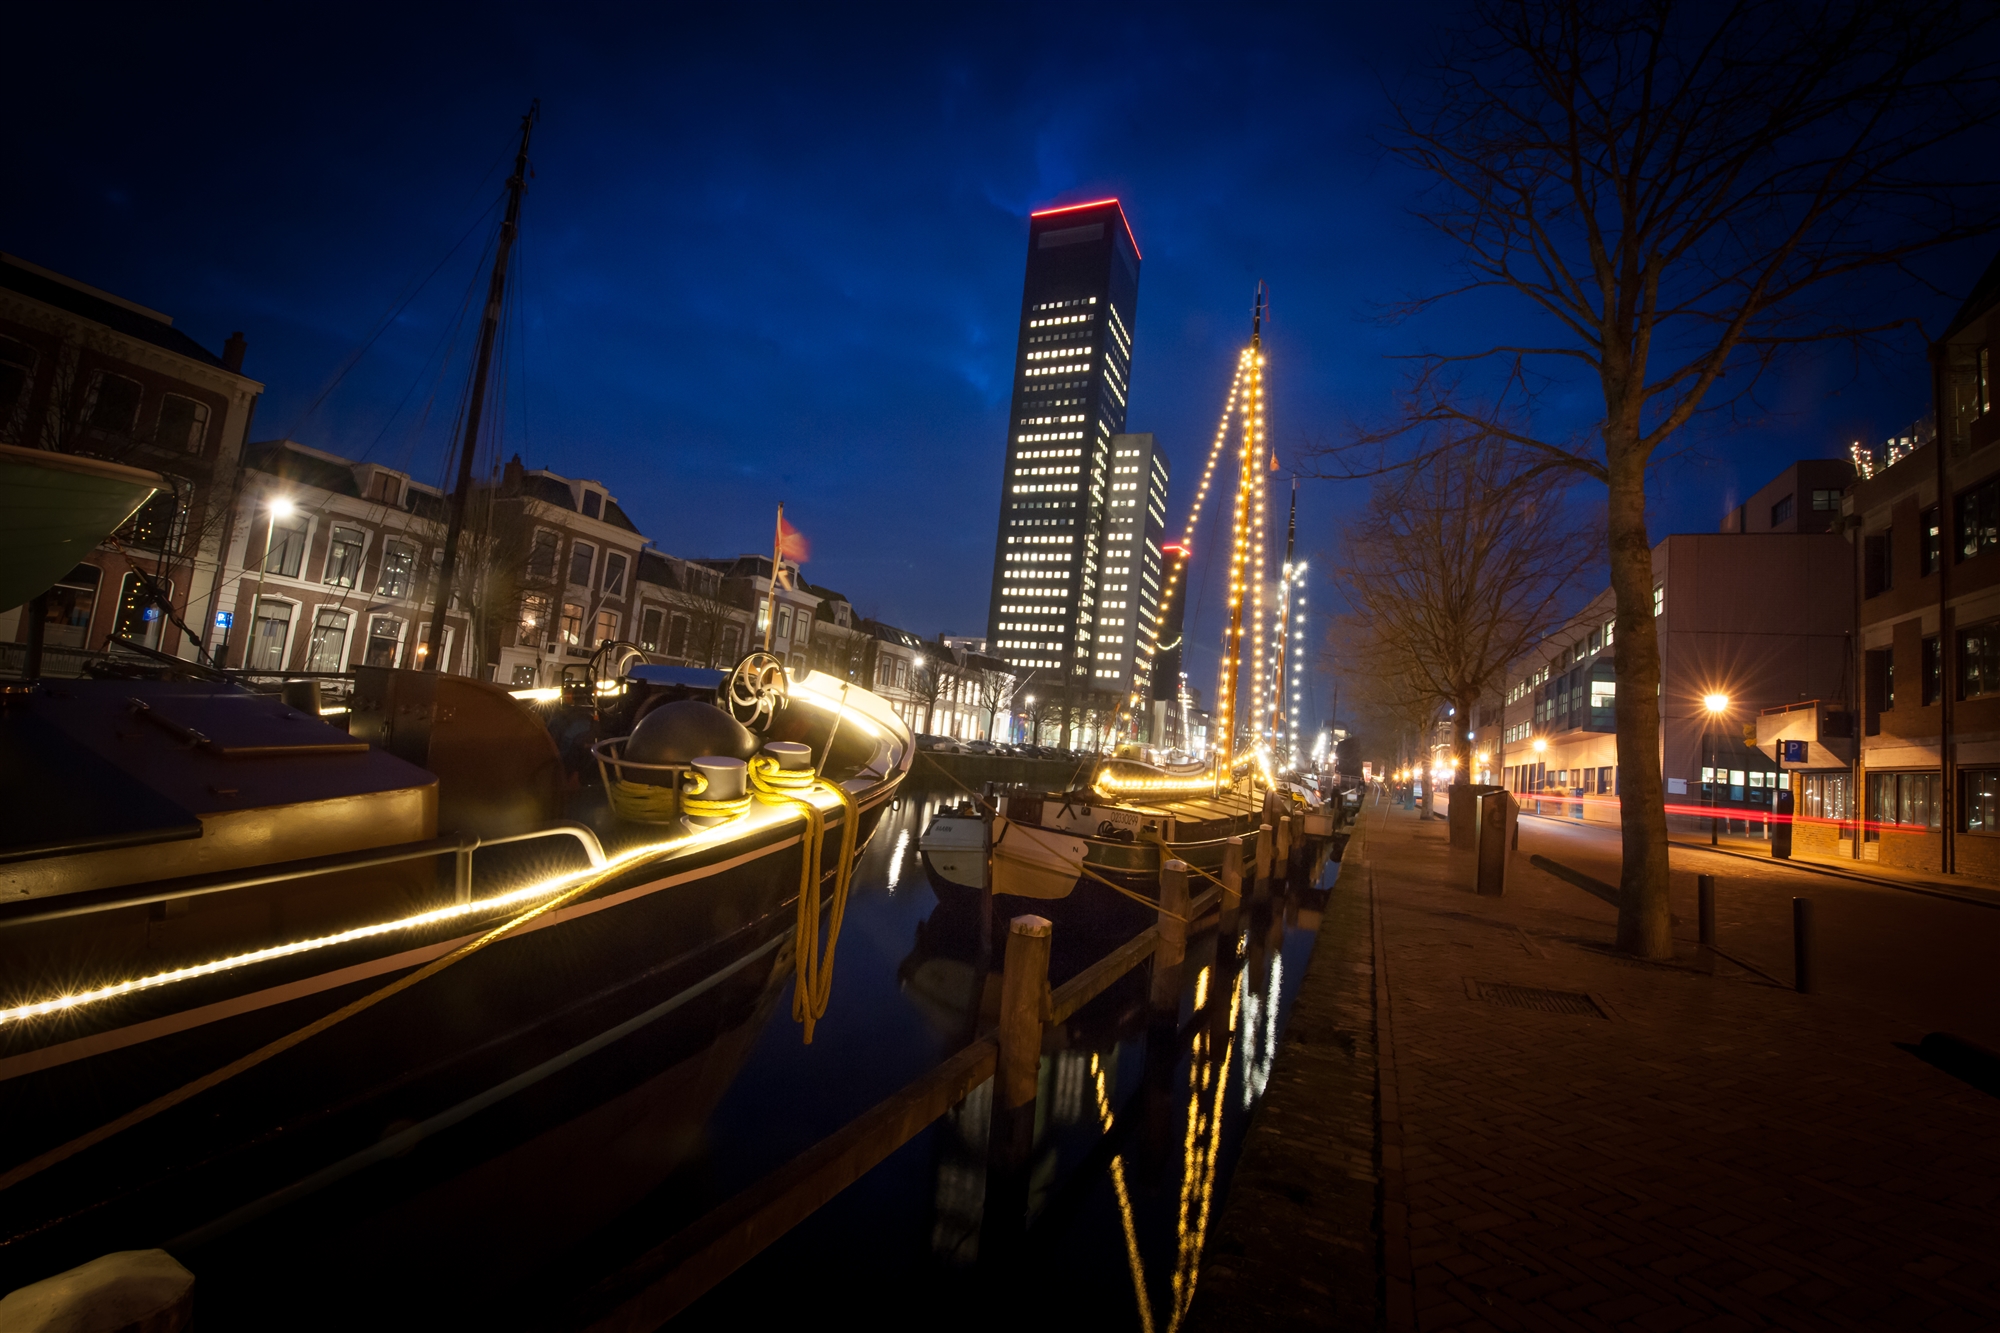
[[642, 802], [693, 802], [776, 785]]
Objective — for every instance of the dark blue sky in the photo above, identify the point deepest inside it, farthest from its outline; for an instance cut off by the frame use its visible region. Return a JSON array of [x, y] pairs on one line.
[[780, 256]]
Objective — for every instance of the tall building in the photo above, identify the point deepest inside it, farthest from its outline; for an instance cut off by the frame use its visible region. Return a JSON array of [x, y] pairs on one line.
[[1071, 512]]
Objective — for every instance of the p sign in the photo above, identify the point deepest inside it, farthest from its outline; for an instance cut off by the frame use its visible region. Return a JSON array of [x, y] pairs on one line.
[[1793, 752]]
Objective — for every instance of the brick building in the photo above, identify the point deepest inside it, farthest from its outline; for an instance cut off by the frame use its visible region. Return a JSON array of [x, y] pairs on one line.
[[83, 371]]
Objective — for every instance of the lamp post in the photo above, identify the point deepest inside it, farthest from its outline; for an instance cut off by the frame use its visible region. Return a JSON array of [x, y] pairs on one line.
[[1541, 748], [1717, 704], [278, 508]]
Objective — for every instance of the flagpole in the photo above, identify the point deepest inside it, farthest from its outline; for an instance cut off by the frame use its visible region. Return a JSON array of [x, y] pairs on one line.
[[771, 605]]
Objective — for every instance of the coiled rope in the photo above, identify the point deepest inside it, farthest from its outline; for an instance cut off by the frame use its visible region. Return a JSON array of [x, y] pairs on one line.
[[773, 784]]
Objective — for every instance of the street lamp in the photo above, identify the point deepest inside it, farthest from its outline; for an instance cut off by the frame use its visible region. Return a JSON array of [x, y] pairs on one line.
[[1541, 747], [279, 507], [1717, 705]]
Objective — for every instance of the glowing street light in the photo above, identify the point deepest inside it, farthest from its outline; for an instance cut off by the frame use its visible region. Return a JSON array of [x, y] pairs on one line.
[[1715, 703]]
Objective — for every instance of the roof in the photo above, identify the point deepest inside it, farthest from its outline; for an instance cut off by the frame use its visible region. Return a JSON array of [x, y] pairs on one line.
[[279, 459], [657, 570], [1985, 293], [52, 290], [889, 633]]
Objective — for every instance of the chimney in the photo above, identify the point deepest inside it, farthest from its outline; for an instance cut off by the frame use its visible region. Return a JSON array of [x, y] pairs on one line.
[[511, 476], [232, 353]]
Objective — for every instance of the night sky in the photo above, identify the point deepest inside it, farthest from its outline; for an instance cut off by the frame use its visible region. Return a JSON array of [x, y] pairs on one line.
[[779, 257]]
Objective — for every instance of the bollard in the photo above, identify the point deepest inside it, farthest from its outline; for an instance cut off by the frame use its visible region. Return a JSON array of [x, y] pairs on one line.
[[1232, 892], [1167, 958], [1010, 1144], [1802, 933], [1265, 837], [1704, 909], [1287, 844], [461, 887]]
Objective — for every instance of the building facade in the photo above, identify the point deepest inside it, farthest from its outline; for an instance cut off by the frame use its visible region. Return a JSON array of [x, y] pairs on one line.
[[1072, 375], [85, 371], [1925, 563]]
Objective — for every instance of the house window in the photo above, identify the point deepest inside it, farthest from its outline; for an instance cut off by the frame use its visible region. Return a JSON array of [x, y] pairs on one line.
[[70, 604], [593, 504], [607, 628], [424, 647], [1826, 501], [385, 489], [542, 555], [399, 567], [649, 629], [1979, 660], [802, 628], [114, 404], [572, 625], [17, 364], [1933, 671], [1933, 541], [141, 618], [183, 424], [385, 641], [343, 556], [270, 627], [329, 640], [1879, 665], [1781, 511], [614, 574], [784, 622], [581, 557], [524, 673], [287, 553], [677, 637], [1979, 806], [1660, 600], [1609, 625], [1876, 573], [1978, 515], [731, 640], [1904, 800], [155, 526], [534, 621]]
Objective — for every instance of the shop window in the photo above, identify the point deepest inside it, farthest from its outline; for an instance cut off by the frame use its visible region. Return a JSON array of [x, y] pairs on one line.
[[1979, 805], [270, 633], [1907, 801], [70, 604], [343, 556], [183, 424], [329, 640], [1828, 796]]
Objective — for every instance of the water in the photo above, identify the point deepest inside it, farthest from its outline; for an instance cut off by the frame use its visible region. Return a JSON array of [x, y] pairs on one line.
[[524, 1232]]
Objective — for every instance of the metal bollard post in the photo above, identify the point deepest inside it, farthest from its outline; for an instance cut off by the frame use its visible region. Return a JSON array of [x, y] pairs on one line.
[[1172, 949], [1802, 942], [1232, 892], [1704, 912], [461, 888]]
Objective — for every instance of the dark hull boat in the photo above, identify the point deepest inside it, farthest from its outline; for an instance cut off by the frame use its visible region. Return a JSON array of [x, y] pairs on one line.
[[243, 969]]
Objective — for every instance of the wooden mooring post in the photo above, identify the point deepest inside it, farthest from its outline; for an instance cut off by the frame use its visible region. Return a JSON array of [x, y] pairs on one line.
[[1265, 838], [1172, 949], [1010, 1143], [1232, 893], [1287, 845]]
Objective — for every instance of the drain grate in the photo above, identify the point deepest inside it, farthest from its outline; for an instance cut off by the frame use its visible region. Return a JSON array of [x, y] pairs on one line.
[[1527, 997]]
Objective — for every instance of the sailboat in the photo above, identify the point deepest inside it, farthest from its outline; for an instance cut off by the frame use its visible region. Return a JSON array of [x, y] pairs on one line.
[[249, 956]]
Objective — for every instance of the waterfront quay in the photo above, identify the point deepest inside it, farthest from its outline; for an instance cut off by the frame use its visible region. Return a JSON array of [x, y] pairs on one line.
[[1485, 1118]]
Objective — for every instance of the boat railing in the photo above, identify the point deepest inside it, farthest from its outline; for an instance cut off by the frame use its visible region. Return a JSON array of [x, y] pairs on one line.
[[461, 848]]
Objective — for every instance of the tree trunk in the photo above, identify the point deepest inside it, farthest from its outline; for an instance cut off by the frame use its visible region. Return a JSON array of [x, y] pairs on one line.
[[1644, 925], [1461, 745]]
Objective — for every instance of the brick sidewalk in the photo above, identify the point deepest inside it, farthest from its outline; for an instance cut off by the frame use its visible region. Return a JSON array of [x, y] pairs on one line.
[[1714, 1152]]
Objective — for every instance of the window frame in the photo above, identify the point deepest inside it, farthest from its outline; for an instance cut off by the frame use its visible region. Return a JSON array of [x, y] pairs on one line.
[[95, 400], [359, 568], [314, 640], [196, 440], [257, 603], [391, 547], [588, 553]]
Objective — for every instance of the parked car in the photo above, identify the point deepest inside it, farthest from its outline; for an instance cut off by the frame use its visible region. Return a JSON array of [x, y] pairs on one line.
[[979, 747]]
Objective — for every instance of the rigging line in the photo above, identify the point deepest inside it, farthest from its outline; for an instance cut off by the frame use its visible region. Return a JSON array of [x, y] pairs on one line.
[[385, 323], [445, 348]]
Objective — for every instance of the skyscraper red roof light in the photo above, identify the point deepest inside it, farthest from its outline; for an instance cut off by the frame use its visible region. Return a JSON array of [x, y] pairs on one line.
[[1096, 203]]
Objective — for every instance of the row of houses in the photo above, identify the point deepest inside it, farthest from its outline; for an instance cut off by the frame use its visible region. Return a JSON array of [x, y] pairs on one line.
[[1837, 643], [277, 558]]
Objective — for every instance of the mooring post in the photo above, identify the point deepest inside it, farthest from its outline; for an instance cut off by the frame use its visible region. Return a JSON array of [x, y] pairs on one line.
[[1265, 837], [1024, 999], [1802, 946], [1232, 893], [461, 886], [1172, 949], [1704, 909], [1282, 866]]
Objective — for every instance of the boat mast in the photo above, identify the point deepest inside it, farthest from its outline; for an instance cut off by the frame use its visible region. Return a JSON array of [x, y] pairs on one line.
[[489, 327], [1284, 620], [1248, 459]]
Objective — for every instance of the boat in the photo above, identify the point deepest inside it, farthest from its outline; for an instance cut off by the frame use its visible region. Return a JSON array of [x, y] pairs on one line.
[[54, 507]]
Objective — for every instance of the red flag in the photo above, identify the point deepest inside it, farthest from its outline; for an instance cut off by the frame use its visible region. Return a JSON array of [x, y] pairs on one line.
[[792, 543]]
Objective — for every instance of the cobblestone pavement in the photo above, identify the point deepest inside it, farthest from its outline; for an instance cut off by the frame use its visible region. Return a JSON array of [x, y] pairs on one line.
[[1654, 1146]]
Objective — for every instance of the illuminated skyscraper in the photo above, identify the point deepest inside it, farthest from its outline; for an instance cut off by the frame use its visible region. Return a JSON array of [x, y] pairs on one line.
[[1078, 499]]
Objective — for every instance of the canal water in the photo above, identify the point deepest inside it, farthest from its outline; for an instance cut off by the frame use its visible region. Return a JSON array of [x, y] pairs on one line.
[[1138, 1133]]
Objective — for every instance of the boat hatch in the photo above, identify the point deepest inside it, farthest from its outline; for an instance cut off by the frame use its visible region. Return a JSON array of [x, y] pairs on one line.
[[240, 727]]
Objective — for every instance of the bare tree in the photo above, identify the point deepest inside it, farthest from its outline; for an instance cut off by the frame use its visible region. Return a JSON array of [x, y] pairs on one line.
[[1453, 572], [1679, 194]]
